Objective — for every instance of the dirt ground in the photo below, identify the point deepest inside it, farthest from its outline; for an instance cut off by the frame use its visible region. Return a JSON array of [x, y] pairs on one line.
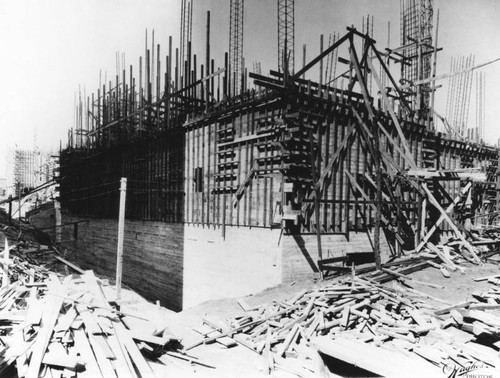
[[241, 362], [458, 287]]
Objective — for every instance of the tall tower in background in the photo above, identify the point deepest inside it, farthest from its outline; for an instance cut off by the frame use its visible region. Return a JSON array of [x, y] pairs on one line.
[[235, 47], [416, 25], [286, 36], [30, 168], [186, 37]]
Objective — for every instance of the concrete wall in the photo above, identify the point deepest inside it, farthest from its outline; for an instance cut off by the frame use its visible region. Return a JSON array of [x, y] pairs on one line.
[[246, 261], [183, 265], [152, 254]]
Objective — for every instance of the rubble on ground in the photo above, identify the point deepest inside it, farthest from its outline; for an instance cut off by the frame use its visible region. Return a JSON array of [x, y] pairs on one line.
[[72, 325]]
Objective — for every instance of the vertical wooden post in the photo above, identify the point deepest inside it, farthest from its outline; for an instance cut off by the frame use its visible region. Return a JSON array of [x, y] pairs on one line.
[[423, 217], [317, 193], [398, 229], [121, 229], [378, 200], [320, 88], [5, 279], [418, 226]]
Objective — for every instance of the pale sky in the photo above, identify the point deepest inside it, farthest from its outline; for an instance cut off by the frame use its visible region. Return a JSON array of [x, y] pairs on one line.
[[50, 48]]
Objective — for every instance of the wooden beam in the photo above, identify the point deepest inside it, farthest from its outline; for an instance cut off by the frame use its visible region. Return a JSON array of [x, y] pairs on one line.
[[411, 162], [332, 164], [304, 69], [360, 77], [327, 171], [317, 194], [408, 158], [5, 277], [71, 265], [49, 318], [121, 232], [363, 194], [441, 218], [436, 204], [471, 174]]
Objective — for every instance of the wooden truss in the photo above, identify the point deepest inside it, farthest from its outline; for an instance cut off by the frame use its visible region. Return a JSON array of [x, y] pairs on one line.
[[367, 122]]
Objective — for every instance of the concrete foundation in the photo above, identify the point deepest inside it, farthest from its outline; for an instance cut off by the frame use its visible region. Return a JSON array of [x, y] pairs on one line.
[[183, 265], [245, 261], [152, 254]]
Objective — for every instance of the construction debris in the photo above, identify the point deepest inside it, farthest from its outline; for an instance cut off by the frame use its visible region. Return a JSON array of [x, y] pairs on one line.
[[357, 153], [391, 331], [63, 325], [67, 327]]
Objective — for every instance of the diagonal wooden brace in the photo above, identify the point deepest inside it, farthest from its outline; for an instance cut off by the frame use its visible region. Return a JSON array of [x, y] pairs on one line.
[[473, 257]]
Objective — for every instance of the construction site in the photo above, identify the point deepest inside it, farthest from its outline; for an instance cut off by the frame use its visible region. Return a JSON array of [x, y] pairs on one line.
[[321, 219]]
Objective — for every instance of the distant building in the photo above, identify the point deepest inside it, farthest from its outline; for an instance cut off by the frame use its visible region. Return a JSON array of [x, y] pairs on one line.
[[29, 168]]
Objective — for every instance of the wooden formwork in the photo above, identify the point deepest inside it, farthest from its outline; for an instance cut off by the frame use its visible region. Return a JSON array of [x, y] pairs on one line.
[[291, 153]]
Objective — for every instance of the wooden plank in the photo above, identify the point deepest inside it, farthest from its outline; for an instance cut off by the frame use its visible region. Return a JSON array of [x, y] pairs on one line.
[[121, 231], [441, 218], [395, 120], [51, 312], [35, 311], [412, 280], [448, 174], [467, 245], [141, 336], [486, 278], [393, 143], [136, 356], [89, 320], [206, 331], [237, 329], [191, 359], [218, 327], [105, 366], [83, 346], [5, 277], [363, 194], [288, 340], [121, 332], [100, 344], [122, 363], [64, 322], [71, 265], [327, 171], [58, 356], [445, 310]]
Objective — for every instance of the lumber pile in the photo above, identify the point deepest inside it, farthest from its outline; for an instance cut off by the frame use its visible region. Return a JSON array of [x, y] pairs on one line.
[[53, 324], [486, 237], [23, 257], [26, 260], [386, 330], [19, 267], [450, 254], [67, 328]]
